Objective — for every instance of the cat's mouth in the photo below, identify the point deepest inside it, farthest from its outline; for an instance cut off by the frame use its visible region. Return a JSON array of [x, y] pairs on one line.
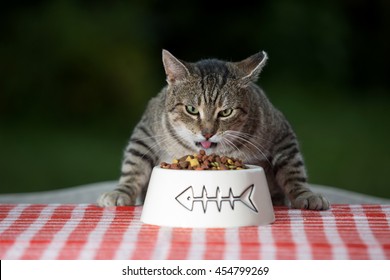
[[206, 144]]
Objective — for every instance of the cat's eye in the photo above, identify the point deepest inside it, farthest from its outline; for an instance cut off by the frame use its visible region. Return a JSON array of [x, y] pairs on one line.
[[192, 110], [225, 113]]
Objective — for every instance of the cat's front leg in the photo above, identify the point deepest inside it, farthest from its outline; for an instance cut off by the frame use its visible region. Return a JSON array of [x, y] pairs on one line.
[[135, 174], [290, 175], [295, 187]]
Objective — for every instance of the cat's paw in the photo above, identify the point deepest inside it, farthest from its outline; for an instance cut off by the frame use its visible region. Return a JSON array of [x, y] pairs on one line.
[[115, 198], [311, 201]]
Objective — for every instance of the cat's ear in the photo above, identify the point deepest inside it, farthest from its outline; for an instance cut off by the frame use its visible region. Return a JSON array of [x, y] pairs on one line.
[[252, 66], [175, 70]]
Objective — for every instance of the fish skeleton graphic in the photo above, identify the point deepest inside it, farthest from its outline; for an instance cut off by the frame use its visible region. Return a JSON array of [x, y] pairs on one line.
[[187, 198]]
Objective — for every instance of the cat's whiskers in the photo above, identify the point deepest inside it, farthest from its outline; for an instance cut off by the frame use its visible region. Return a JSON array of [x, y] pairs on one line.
[[223, 146], [249, 136], [234, 147], [240, 138], [244, 149]]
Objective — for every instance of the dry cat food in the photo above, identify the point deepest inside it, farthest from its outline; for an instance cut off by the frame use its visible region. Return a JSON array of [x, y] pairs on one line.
[[202, 161]]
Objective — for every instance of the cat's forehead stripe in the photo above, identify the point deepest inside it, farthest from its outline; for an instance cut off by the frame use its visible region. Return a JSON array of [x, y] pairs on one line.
[[213, 77], [212, 67]]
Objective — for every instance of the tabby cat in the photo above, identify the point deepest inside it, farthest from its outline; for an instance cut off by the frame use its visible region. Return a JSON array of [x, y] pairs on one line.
[[216, 106]]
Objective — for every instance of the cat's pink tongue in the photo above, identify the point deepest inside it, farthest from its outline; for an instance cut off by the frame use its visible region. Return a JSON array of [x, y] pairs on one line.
[[206, 144]]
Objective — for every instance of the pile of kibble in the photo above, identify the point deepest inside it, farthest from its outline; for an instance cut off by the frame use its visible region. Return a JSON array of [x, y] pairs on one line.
[[202, 161]]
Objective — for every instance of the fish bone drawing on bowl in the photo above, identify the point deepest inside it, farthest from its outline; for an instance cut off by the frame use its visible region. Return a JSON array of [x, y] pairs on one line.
[[205, 198]]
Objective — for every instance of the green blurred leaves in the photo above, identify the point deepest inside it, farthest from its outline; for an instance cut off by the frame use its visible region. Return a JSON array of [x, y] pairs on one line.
[[63, 59]]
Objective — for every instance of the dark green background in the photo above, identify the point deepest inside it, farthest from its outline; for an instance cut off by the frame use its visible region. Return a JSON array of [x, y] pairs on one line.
[[75, 77]]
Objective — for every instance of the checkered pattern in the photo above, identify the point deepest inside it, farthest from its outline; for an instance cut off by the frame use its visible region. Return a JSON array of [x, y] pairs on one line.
[[34, 231]]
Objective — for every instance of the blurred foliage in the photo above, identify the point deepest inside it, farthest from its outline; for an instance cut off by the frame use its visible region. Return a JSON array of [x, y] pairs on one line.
[[75, 77]]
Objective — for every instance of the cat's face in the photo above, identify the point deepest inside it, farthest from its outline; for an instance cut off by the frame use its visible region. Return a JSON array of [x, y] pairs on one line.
[[203, 113], [208, 103]]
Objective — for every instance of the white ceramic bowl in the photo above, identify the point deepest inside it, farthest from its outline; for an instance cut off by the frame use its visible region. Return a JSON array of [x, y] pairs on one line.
[[209, 198]]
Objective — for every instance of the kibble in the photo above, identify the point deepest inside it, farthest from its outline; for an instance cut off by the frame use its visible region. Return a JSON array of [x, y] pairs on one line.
[[202, 161]]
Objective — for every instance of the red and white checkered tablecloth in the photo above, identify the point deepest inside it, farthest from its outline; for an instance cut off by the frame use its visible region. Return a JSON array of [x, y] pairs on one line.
[[58, 231]]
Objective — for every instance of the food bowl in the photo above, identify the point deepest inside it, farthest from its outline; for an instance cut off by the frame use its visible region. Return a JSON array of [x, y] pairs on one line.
[[205, 198]]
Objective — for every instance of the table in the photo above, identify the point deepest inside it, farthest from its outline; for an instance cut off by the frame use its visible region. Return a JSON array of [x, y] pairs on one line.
[[85, 231]]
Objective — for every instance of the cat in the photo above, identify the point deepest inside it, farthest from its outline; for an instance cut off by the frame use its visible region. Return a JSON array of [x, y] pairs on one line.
[[216, 106]]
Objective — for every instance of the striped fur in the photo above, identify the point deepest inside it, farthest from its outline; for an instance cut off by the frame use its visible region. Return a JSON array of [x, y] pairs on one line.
[[254, 131]]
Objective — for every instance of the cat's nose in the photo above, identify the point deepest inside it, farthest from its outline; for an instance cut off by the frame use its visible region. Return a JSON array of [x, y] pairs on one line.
[[208, 135]]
